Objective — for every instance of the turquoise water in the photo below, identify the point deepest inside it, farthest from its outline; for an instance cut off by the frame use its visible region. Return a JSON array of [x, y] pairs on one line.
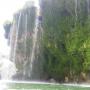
[[44, 87], [39, 86]]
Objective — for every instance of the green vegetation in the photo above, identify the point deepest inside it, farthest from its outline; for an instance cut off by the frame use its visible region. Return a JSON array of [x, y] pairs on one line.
[[66, 38]]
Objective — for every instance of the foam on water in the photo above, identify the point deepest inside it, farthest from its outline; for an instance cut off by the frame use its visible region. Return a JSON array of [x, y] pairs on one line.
[[78, 85], [3, 86], [42, 83]]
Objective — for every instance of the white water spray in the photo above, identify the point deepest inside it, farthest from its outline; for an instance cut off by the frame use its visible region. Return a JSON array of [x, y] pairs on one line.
[[7, 68]]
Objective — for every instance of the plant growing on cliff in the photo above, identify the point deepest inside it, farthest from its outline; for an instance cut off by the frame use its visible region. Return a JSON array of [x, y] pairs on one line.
[[65, 37]]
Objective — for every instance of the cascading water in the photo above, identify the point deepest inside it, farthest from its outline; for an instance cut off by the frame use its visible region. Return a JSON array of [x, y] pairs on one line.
[[7, 67], [88, 5], [35, 36], [25, 39], [25, 43], [16, 40], [76, 16]]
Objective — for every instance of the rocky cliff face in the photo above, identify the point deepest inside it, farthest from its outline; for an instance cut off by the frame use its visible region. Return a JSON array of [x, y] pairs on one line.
[[60, 20], [21, 40]]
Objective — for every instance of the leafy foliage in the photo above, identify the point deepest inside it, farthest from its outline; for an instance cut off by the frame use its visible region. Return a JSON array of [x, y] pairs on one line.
[[66, 39]]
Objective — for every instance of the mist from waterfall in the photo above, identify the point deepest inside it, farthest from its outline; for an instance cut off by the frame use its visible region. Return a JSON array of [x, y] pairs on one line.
[[7, 68]]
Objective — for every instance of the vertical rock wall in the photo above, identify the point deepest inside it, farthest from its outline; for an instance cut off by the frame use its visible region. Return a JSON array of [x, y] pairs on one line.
[[21, 40]]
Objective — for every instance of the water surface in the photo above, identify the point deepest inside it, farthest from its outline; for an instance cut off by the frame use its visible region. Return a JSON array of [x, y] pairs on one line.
[[21, 85]]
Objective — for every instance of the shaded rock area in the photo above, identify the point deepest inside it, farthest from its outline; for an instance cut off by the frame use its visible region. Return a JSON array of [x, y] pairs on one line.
[[7, 26]]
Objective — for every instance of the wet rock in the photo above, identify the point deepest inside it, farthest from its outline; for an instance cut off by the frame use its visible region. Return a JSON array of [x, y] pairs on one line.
[[66, 79], [52, 80], [83, 76]]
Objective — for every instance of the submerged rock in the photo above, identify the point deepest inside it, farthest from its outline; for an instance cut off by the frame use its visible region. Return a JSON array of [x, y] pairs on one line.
[[52, 80]]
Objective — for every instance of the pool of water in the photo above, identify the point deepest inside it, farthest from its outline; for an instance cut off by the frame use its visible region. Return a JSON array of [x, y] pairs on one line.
[[15, 85]]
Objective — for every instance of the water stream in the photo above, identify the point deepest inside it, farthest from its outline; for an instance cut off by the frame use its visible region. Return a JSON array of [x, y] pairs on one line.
[[35, 37], [76, 16], [25, 36], [16, 39], [88, 5]]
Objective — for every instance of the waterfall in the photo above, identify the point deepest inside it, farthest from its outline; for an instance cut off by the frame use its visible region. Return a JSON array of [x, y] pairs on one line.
[[25, 43], [16, 40], [76, 16], [28, 31], [34, 41], [35, 48], [88, 5]]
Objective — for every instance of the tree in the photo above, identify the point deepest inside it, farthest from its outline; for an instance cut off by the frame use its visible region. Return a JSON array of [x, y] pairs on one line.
[[65, 37]]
